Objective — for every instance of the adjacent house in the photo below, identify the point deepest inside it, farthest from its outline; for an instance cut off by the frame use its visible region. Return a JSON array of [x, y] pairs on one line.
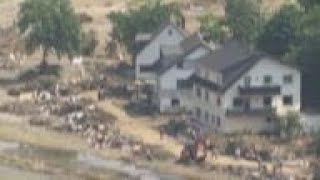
[[236, 89], [166, 62], [168, 35]]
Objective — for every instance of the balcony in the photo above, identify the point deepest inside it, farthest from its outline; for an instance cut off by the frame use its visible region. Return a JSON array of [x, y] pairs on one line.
[[260, 90], [244, 111]]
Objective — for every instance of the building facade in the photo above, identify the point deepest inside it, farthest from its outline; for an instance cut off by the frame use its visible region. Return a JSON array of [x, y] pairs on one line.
[[245, 93]]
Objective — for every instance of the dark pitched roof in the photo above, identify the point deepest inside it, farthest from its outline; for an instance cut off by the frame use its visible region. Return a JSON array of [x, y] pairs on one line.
[[186, 47], [232, 74], [229, 54], [191, 42], [232, 60]]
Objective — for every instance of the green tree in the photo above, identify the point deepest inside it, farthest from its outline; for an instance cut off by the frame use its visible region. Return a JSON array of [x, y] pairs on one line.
[[309, 4], [280, 32], [147, 18], [216, 29], [305, 54], [244, 19], [51, 25]]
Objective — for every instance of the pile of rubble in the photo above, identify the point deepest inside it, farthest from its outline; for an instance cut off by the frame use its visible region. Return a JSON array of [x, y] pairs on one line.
[[80, 116]]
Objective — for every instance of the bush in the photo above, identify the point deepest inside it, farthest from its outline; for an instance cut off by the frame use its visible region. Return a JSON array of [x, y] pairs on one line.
[[290, 125], [88, 43]]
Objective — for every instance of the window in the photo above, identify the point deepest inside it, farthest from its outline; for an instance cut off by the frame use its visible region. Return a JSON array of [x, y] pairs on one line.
[[287, 100], [247, 81], [170, 32], [237, 102], [287, 79], [207, 95], [198, 113], [268, 119], [175, 102], [219, 101], [218, 121], [206, 116], [267, 79], [213, 119], [198, 91], [267, 101]]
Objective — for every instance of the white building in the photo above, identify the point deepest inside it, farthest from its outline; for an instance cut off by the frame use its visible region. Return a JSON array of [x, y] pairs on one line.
[[166, 62], [168, 35], [236, 89], [229, 88]]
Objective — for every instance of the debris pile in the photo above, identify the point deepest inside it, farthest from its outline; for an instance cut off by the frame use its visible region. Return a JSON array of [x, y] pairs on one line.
[[80, 116]]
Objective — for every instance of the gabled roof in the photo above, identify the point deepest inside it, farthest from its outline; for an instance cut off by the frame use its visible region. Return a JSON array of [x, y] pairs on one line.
[[181, 50], [226, 56], [232, 60], [162, 27]]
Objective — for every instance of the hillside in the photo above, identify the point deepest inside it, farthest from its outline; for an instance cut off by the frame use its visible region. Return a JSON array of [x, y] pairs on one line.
[[98, 9]]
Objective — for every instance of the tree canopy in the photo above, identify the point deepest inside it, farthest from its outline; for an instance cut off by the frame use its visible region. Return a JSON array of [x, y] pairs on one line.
[[309, 4], [147, 18], [280, 33], [51, 25], [244, 19], [216, 28]]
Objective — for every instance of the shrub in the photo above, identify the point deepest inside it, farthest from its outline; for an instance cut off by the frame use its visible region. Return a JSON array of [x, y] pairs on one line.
[[88, 43], [290, 125]]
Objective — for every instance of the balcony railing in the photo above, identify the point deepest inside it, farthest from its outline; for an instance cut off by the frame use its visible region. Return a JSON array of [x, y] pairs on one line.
[[251, 111], [260, 90]]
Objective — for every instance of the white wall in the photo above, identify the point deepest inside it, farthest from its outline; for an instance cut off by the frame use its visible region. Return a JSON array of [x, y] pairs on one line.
[[277, 71], [209, 106], [168, 85], [151, 52], [168, 80]]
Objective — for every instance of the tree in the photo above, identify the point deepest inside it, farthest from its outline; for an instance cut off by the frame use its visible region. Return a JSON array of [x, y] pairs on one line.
[[216, 29], [280, 32], [309, 4], [147, 18], [244, 19], [51, 25], [305, 54]]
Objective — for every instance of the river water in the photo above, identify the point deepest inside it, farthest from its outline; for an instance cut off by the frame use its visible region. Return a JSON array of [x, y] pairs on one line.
[[66, 165]]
